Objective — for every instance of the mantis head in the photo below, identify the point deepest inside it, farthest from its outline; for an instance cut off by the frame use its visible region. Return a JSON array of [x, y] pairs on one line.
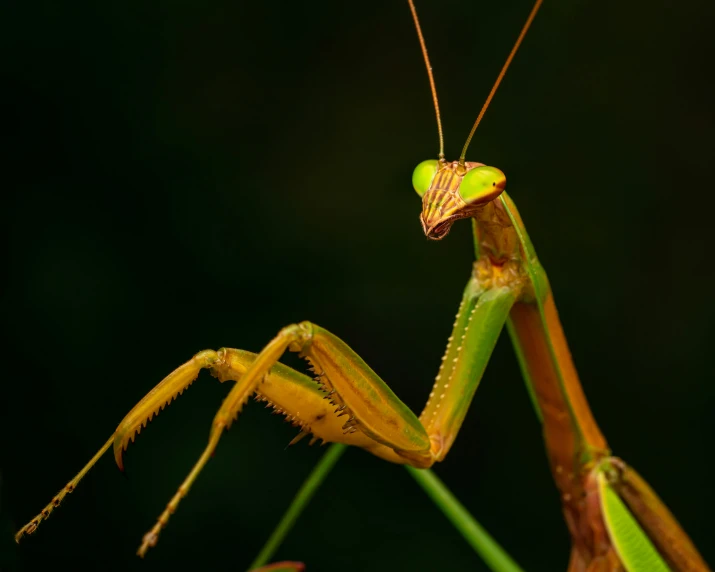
[[451, 191]]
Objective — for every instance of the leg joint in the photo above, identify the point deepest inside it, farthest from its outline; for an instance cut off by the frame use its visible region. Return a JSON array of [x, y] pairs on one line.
[[300, 336], [209, 358]]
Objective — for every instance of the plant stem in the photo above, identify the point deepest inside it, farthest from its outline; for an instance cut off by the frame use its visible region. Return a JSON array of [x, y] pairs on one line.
[[493, 555], [488, 549], [300, 501]]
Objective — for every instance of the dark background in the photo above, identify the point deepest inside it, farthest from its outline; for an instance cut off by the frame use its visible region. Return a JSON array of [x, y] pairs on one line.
[[190, 175]]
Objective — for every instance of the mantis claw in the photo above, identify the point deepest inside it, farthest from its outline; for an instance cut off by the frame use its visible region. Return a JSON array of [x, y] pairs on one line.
[[149, 541], [29, 528]]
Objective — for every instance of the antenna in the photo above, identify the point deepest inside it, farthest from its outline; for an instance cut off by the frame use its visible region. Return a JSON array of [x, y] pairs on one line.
[[431, 78], [534, 10]]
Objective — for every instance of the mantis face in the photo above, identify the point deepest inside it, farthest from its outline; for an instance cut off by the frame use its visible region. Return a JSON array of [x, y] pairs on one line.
[[451, 191]]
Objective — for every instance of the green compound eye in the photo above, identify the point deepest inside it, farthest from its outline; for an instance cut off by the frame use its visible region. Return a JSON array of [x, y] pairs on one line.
[[482, 184], [423, 174]]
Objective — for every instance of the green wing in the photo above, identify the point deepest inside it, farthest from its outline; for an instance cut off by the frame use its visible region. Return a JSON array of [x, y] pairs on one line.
[[634, 548]]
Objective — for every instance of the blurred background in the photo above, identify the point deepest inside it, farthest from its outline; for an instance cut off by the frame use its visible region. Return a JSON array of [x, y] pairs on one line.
[[188, 175]]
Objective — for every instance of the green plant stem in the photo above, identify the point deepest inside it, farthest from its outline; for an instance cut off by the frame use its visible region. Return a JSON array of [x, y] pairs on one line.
[[478, 538], [493, 555], [300, 501]]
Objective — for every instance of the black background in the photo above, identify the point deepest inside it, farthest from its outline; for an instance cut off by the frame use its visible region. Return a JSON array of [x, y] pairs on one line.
[[191, 175]]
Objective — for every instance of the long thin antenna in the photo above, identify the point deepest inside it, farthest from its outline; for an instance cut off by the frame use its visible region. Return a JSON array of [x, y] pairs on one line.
[[431, 78], [534, 10]]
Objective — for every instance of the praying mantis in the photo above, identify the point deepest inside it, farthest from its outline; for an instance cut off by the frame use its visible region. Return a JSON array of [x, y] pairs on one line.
[[346, 335]]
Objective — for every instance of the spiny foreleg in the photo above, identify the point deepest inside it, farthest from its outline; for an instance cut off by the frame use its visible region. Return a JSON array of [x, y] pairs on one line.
[[376, 419], [166, 391]]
